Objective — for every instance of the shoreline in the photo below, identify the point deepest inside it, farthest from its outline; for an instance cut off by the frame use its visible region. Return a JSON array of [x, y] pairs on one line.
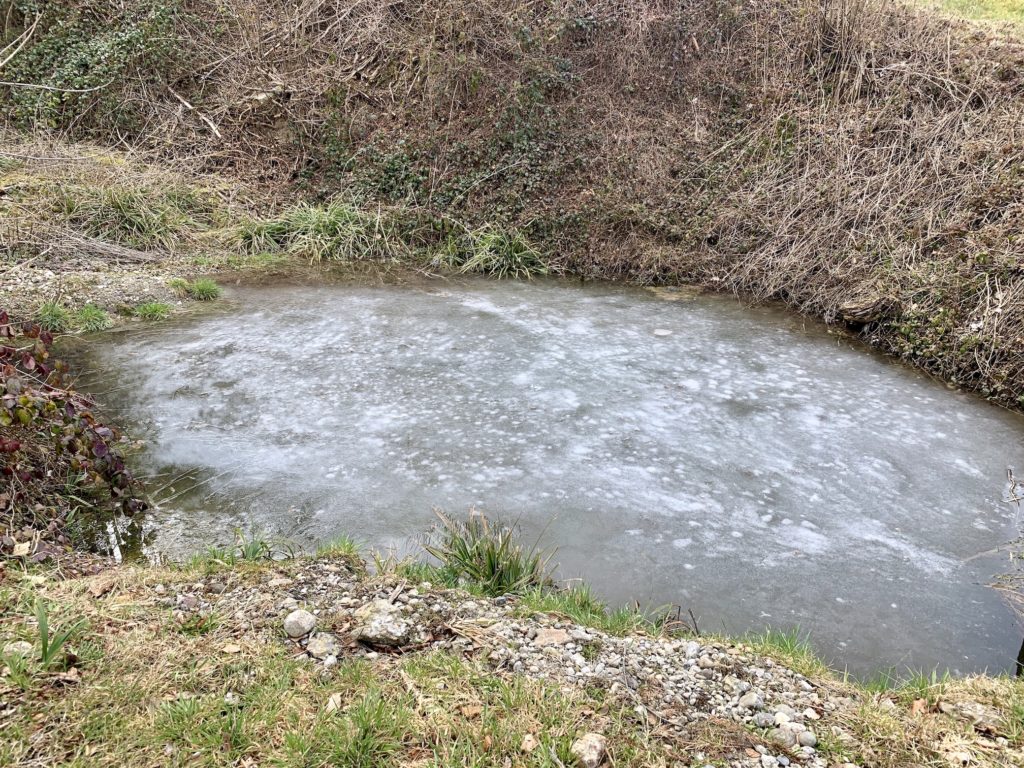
[[656, 697]]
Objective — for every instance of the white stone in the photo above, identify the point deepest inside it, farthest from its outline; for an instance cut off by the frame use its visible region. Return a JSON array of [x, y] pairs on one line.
[[589, 750], [18, 648], [299, 623]]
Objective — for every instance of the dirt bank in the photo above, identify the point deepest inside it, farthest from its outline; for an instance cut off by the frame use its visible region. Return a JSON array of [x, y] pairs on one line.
[[856, 159]]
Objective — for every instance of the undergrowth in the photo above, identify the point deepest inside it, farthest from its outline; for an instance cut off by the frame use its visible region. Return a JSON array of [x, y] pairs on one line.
[[857, 163], [336, 231], [55, 455]]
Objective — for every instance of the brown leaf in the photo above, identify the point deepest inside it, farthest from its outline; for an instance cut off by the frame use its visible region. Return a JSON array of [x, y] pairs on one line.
[[472, 710], [920, 706], [529, 744], [100, 588], [488, 742]]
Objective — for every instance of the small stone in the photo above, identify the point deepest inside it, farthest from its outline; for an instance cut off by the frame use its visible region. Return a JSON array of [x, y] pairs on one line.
[[279, 582], [767, 761], [383, 623], [781, 718], [783, 738], [217, 587], [323, 644], [764, 720], [751, 701], [589, 750], [299, 623], [807, 739], [18, 648], [548, 636]]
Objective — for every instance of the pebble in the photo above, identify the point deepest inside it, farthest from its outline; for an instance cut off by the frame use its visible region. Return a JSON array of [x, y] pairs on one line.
[[18, 648], [751, 701], [807, 739], [299, 623], [783, 737], [589, 750], [323, 644]]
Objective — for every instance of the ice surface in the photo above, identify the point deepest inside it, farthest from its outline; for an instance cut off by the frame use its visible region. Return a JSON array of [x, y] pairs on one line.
[[741, 464]]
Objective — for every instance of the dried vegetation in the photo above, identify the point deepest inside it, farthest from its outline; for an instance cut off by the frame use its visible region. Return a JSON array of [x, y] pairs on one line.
[[859, 160]]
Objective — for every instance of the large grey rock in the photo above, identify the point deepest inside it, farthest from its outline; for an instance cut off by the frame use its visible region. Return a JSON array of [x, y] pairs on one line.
[[589, 750], [384, 623], [299, 623]]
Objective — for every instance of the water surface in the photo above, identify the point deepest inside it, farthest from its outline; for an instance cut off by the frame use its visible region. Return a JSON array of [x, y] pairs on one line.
[[693, 452]]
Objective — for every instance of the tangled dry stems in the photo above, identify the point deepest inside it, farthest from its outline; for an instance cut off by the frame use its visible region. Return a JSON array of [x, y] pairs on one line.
[[857, 159]]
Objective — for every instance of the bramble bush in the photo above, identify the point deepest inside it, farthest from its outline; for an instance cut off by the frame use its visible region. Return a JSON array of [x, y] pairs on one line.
[[50, 441]]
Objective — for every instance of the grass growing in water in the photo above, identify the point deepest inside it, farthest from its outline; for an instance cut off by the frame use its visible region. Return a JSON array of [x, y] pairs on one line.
[[254, 547]]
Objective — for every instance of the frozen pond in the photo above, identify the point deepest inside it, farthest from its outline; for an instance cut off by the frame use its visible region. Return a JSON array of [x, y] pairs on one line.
[[693, 451]]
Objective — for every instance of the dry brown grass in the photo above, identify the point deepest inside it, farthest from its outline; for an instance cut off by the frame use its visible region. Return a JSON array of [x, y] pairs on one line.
[[856, 159]]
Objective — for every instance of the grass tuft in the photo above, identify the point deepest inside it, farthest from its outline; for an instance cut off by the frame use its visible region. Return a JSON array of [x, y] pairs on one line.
[[791, 647], [374, 730], [91, 318], [54, 317], [136, 216], [503, 253], [337, 231], [485, 556], [579, 605], [152, 310], [203, 289], [252, 547], [343, 546]]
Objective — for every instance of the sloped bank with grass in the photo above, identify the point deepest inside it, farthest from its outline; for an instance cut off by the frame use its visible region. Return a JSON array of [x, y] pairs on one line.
[[236, 659], [856, 159]]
